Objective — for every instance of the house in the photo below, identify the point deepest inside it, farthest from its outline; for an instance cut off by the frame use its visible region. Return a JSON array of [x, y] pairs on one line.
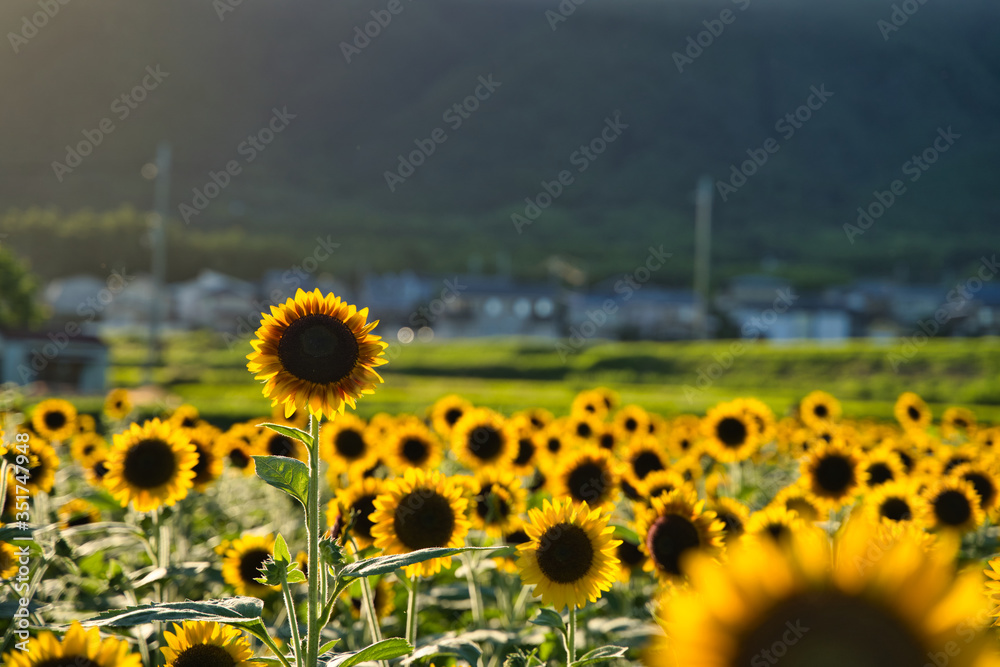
[[647, 313], [214, 300], [477, 305], [64, 358]]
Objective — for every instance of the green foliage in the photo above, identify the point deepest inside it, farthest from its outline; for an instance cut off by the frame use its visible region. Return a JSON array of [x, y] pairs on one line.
[[289, 475], [18, 288]]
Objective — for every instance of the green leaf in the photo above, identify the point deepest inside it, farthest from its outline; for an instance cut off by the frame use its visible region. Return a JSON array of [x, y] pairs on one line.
[[522, 659], [328, 646], [386, 564], [296, 576], [387, 649], [463, 648], [281, 554], [289, 475], [627, 534], [291, 432], [550, 619], [234, 611], [600, 654]]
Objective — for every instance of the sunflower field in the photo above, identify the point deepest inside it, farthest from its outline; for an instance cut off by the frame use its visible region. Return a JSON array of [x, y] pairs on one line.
[[600, 532]]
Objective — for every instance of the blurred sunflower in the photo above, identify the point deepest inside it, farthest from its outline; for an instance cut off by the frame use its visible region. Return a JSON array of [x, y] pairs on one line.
[[582, 428], [952, 457], [958, 424], [43, 466], [730, 434], [631, 560], [242, 561], [570, 557], [881, 466], [234, 449], [810, 604], [644, 455], [8, 560], [344, 445], [96, 471], [418, 511], [411, 445], [85, 424], [527, 451], [150, 465], [518, 535], [316, 353], [606, 437], [498, 501], [209, 465], [630, 421], [683, 436], [594, 403], [446, 412], [953, 505], [987, 438], [911, 412], [832, 475], [660, 482], [775, 523], [481, 438], [206, 644], [895, 501], [78, 512], [984, 480], [185, 416], [762, 416], [86, 446], [798, 499], [382, 599], [589, 475], [551, 442], [733, 514], [819, 408], [272, 443], [77, 648], [54, 419], [535, 419], [117, 404], [674, 526], [358, 500]]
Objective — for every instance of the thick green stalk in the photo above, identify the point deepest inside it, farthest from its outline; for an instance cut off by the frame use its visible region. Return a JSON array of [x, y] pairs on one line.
[[411, 612], [571, 636], [313, 534], [293, 621]]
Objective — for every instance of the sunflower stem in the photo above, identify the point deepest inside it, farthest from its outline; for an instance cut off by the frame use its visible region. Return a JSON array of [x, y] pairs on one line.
[[475, 596], [571, 637], [411, 612], [293, 621], [312, 533]]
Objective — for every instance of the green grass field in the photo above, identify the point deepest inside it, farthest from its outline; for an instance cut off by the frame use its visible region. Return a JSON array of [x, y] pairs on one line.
[[668, 378]]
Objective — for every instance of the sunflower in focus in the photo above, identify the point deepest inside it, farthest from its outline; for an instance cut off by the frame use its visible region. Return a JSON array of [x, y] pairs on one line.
[[813, 604], [674, 526], [911, 412], [730, 434], [54, 419], [412, 445], [357, 500], [150, 465], [498, 501], [589, 475], [481, 438], [819, 408], [242, 562], [86, 446], [316, 353], [78, 647], [953, 505], [344, 445], [78, 512], [446, 412], [832, 474], [206, 644], [958, 424], [117, 404], [418, 511], [570, 557]]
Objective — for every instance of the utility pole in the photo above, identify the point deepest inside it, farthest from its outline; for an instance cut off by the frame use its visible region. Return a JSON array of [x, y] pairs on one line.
[[702, 253], [158, 242]]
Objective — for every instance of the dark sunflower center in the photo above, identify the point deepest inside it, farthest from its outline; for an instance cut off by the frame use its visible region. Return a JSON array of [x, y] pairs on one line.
[[280, 445], [89, 449], [952, 508], [983, 486], [827, 629], [732, 526], [424, 519], [318, 348], [583, 430], [587, 481], [516, 537], [606, 441], [820, 411], [731, 431], [590, 408], [834, 474], [668, 539], [238, 458], [631, 424], [802, 507], [645, 463], [660, 489], [960, 423], [485, 442], [553, 445], [250, 563], [912, 413], [54, 419], [490, 506], [100, 469], [149, 463], [349, 444], [79, 520], [201, 468], [525, 451], [67, 661], [879, 473], [189, 422], [685, 444], [452, 415], [777, 531], [895, 509], [415, 450], [630, 554], [565, 553], [364, 506], [204, 655], [954, 462], [906, 459]]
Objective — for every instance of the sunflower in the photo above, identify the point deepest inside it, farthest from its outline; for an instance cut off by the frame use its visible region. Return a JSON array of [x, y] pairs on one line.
[[674, 526], [798, 499], [660, 482], [242, 561], [606, 437], [518, 535], [411, 445], [382, 599], [984, 480], [418, 511], [535, 419], [316, 353], [689, 467], [819, 408], [630, 421], [8, 560], [730, 433], [776, 523], [952, 457], [96, 471], [762, 417], [683, 436], [498, 501], [481, 438], [209, 465], [54, 419], [631, 560], [644, 455], [85, 424], [86, 446], [832, 474], [78, 512], [272, 443], [299, 418], [344, 445], [43, 466], [897, 502], [358, 499], [234, 449], [593, 403], [589, 475], [77, 648], [551, 442], [527, 448], [881, 466], [117, 404], [958, 424], [987, 438], [570, 557], [582, 428], [150, 465], [733, 514], [911, 412], [813, 604], [206, 644], [953, 505], [446, 412], [185, 416]]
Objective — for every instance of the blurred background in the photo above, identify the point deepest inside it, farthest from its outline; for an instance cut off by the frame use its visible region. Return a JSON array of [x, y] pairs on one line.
[[568, 176]]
